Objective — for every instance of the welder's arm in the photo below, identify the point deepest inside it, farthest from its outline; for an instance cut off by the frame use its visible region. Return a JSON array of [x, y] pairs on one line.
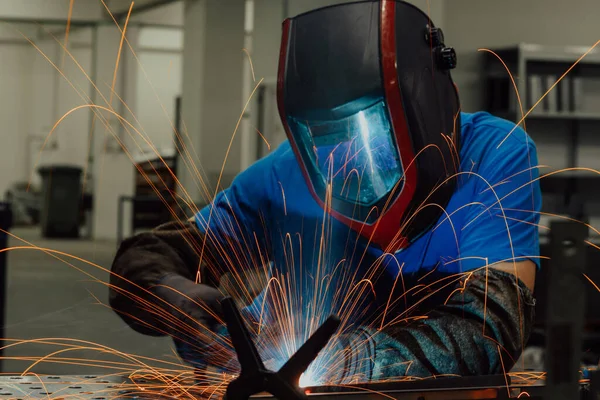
[[152, 267], [154, 274], [143, 262], [479, 330]]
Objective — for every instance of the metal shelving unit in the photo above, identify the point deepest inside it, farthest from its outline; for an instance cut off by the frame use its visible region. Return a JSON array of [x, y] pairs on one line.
[[535, 69]]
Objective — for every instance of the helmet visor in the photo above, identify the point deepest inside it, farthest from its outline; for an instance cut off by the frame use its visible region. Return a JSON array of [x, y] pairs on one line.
[[357, 155]]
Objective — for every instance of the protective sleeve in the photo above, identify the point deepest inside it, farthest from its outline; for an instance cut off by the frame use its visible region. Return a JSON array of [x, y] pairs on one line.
[[141, 262], [475, 332], [506, 201]]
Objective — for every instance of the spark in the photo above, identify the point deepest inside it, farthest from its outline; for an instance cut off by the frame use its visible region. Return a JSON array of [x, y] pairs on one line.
[[68, 28], [251, 65], [592, 282]]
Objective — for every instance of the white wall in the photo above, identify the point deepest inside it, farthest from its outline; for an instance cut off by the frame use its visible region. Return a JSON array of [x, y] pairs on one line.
[[72, 135], [170, 14], [15, 110], [113, 172], [43, 110], [52, 96], [212, 91], [159, 84], [55, 9]]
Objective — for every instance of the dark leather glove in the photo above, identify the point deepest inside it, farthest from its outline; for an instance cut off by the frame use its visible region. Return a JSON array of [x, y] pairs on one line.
[[195, 321], [196, 305]]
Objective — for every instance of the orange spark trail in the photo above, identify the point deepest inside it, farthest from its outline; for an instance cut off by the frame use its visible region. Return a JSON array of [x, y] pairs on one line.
[[251, 65], [592, 282], [67, 30], [512, 79], [119, 52], [263, 138]]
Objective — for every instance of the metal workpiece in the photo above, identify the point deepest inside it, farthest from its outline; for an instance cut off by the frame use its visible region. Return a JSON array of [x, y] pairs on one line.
[[255, 378]]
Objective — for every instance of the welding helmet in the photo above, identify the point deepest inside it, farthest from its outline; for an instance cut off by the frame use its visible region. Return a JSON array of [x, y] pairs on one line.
[[370, 109]]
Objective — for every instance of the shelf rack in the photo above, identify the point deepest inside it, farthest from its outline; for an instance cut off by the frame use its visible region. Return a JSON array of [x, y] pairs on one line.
[[529, 62]]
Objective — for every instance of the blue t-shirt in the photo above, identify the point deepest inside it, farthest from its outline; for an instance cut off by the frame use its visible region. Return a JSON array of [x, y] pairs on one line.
[[321, 266]]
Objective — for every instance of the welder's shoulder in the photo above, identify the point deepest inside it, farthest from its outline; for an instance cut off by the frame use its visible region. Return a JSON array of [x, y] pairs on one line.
[[271, 167], [487, 136], [284, 162], [283, 154]]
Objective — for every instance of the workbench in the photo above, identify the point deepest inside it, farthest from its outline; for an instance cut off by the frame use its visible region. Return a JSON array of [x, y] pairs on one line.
[[118, 387]]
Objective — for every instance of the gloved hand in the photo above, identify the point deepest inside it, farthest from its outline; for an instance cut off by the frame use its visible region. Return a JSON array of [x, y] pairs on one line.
[[197, 325], [218, 354]]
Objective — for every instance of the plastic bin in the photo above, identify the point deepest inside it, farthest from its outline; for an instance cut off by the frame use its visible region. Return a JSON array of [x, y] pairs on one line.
[[61, 201]]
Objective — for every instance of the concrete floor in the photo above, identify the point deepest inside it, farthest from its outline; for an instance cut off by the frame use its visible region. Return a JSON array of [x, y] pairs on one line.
[[47, 298]]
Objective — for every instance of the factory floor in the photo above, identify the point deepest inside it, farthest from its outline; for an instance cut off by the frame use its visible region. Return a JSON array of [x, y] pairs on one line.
[[49, 299]]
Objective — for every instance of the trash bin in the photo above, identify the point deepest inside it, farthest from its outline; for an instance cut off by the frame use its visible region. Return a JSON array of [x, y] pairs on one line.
[[61, 200], [5, 225]]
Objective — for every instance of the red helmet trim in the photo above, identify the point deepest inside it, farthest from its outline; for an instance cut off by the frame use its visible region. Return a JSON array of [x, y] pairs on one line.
[[388, 226]]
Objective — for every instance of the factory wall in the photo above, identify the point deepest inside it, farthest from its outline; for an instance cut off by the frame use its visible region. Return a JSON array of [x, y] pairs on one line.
[[28, 82], [86, 10], [171, 14], [470, 25], [213, 94], [158, 85], [15, 110], [52, 95]]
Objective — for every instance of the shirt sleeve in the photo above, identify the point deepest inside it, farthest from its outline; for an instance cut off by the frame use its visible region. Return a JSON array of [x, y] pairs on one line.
[[502, 222], [236, 222]]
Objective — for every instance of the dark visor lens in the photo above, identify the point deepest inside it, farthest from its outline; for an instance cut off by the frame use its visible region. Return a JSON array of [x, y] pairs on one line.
[[356, 155]]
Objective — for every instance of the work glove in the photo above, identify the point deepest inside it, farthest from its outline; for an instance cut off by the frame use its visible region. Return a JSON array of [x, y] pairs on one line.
[[196, 325]]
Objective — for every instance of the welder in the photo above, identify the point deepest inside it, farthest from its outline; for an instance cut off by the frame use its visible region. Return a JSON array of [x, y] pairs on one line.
[[381, 172]]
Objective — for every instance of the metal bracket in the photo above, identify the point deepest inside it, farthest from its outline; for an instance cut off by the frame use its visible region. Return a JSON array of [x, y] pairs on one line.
[[255, 378]]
